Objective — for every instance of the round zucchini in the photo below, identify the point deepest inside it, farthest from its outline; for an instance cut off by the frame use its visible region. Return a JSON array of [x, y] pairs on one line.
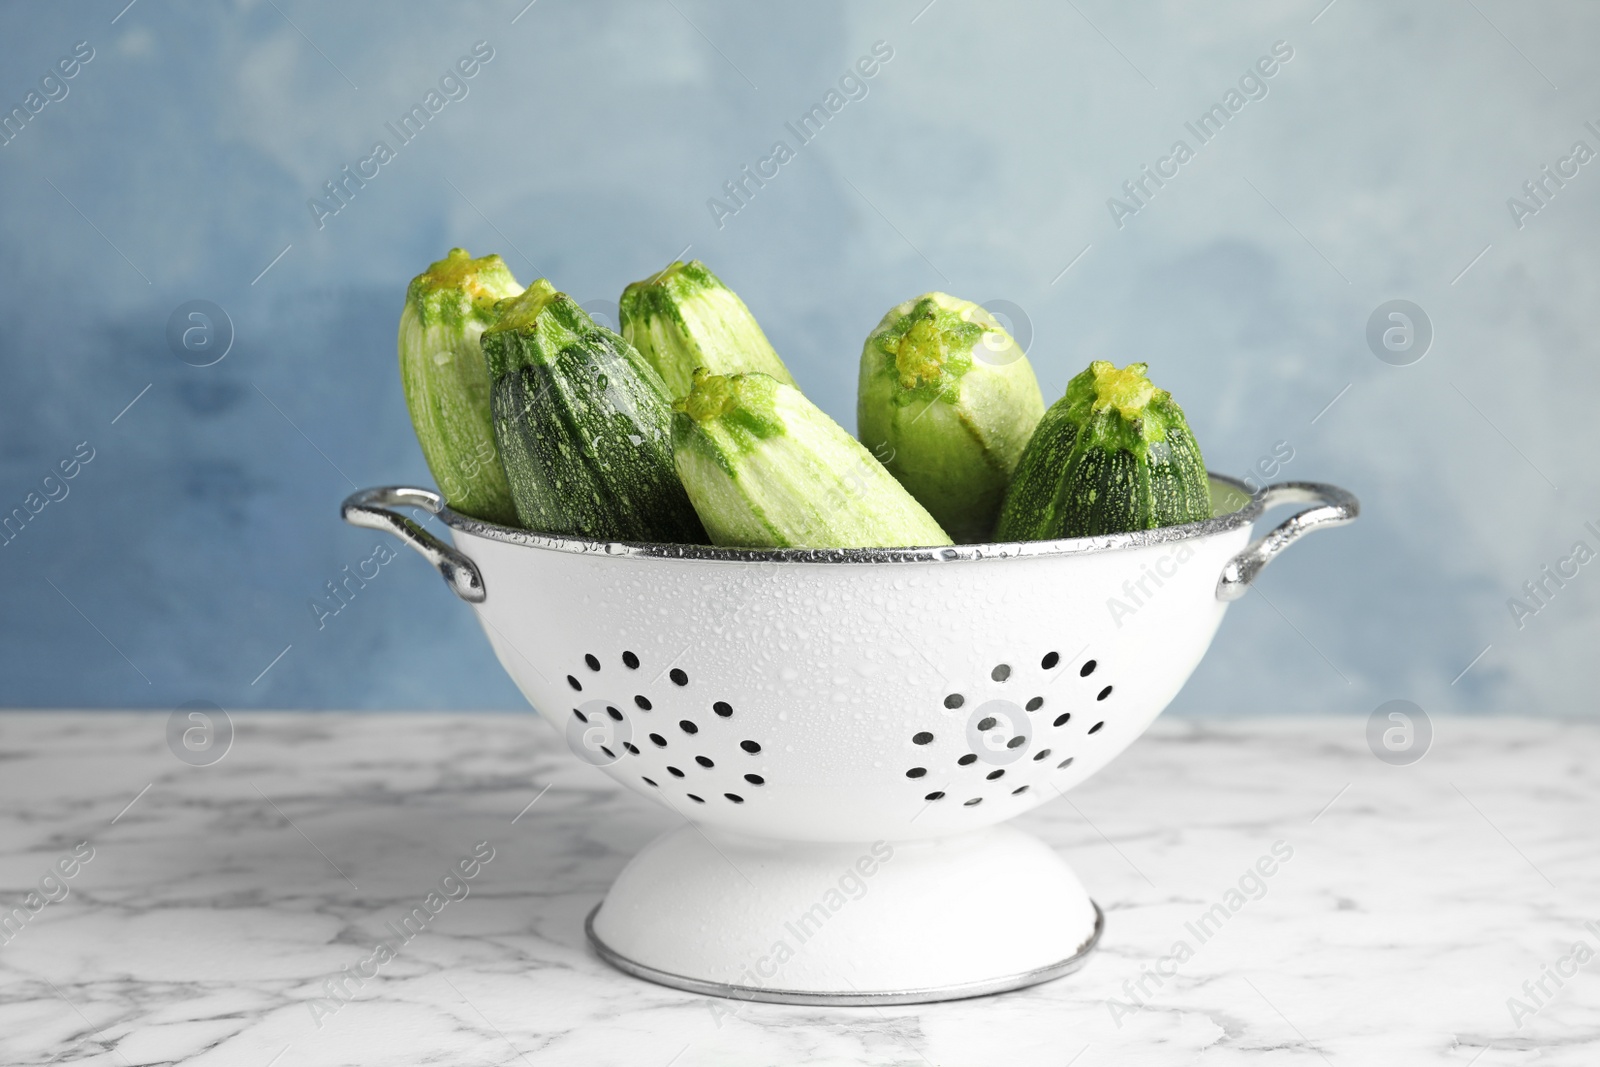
[[1112, 455]]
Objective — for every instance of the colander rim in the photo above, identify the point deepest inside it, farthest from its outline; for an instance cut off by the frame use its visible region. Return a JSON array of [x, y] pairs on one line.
[[1244, 515]]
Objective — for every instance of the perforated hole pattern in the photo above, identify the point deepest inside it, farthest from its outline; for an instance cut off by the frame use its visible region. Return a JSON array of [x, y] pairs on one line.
[[1038, 745], [704, 728], [713, 725]]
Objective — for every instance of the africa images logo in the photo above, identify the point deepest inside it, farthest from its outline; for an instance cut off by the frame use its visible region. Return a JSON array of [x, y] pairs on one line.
[[1205, 128]]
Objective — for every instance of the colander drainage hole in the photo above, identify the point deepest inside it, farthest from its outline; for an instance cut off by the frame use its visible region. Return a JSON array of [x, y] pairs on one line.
[[1035, 704], [643, 702], [735, 797], [1041, 754], [614, 713], [992, 775], [968, 760], [922, 738], [591, 660], [574, 683], [694, 798], [581, 716], [974, 802], [1087, 669], [630, 661], [1050, 660], [609, 754], [1064, 763], [750, 747], [631, 747], [1017, 742], [679, 678], [1001, 673], [987, 723], [1096, 727], [723, 708], [1104, 693], [674, 772], [935, 795], [688, 727], [1019, 789], [661, 742], [649, 781], [704, 761], [755, 779], [1061, 720], [916, 772], [953, 701]]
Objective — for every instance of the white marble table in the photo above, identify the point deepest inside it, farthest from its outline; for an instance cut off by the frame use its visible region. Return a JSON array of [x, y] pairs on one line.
[[219, 899]]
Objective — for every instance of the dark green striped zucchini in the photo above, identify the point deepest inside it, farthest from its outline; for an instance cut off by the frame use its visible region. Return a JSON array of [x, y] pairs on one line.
[[1112, 455], [584, 426]]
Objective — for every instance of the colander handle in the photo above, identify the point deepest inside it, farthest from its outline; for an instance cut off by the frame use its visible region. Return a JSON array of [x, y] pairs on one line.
[[372, 508], [1335, 507]]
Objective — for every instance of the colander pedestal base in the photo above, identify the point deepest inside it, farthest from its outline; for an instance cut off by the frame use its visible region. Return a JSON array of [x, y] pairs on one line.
[[834, 923]]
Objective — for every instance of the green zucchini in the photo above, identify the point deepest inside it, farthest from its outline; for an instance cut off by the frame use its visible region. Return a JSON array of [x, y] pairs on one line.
[[583, 424], [684, 317], [446, 384], [767, 469], [1114, 454], [947, 400]]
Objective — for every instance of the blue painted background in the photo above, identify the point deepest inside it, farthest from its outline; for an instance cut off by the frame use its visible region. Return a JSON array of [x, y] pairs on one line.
[[1378, 165]]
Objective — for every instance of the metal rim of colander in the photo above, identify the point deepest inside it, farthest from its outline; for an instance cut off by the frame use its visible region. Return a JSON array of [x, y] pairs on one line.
[[852, 998], [1244, 515]]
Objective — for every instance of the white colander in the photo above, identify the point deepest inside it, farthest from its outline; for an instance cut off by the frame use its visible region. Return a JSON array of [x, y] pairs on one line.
[[843, 730]]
